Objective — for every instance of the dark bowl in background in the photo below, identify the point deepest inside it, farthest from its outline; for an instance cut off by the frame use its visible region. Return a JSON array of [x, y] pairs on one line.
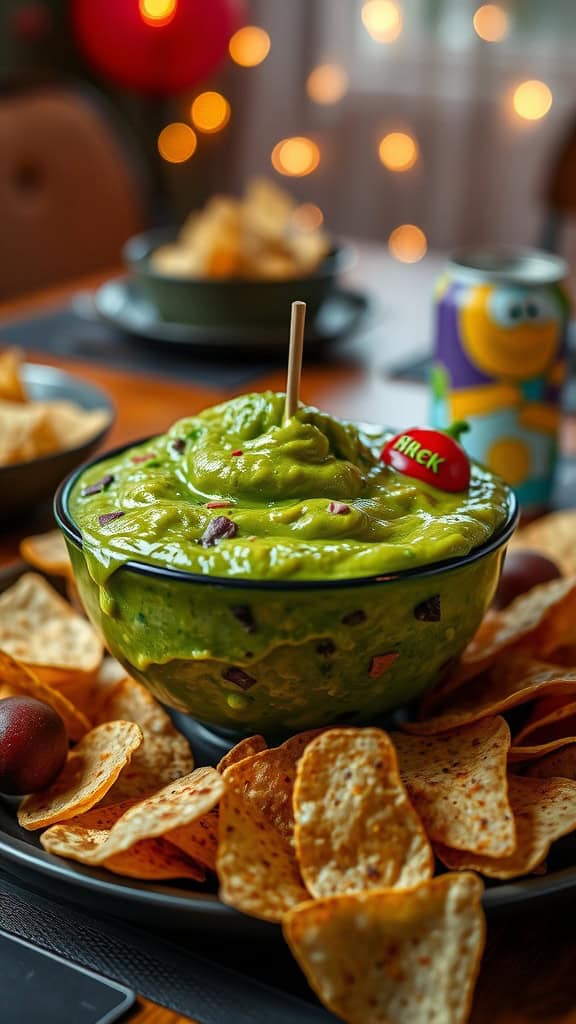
[[232, 301], [24, 485]]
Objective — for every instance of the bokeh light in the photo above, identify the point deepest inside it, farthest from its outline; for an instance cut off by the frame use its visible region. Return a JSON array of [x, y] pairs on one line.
[[307, 217], [327, 83], [210, 112], [398, 151], [177, 142], [382, 19], [296, 156], [491, 23], [532, 100], [157, 12], [407, 243], [249, 46]]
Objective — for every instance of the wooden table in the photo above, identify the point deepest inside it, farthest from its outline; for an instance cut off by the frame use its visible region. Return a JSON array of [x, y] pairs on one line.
[[529, 969]]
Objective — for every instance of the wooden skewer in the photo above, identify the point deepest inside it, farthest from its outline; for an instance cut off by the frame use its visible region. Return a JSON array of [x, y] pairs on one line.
[[295, 359]]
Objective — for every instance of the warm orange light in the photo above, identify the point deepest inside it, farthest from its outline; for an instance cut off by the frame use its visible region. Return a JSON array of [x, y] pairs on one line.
[[307, 217], [249, 46], [296, 156], [382, 19], [157, 12], [327, 83], [398, 151], [491, 23], [177, 142], [407, 243], [532, 100], [210, 112]]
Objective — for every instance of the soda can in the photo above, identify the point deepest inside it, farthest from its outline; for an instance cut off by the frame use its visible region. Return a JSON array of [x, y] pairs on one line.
[[499, 363]]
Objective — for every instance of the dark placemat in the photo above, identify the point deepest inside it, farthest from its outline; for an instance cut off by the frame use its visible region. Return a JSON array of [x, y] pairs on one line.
[[64, 332], [172, 971]]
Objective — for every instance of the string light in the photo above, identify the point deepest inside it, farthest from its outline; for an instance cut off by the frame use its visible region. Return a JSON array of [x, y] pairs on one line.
[[177, 142], [407, 243], [249, 46], [532, 100], [382, 19], [210, 112], [327, 83], [491, 23], [157, 12], [398, 151], [296, 156], [307, 217]]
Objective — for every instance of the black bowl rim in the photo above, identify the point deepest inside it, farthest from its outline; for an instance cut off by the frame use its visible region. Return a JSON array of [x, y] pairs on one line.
[[339, 259], [64, 453], [72, 533]]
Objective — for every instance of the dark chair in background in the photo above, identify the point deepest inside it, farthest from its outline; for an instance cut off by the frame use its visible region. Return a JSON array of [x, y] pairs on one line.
[[69, 195], [560, 193]]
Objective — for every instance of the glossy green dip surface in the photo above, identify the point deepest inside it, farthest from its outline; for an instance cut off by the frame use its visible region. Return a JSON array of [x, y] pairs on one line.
[[279, 482]]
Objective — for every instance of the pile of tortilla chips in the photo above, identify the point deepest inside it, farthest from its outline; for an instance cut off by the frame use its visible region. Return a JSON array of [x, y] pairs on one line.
[[341, 835], [31, 429]]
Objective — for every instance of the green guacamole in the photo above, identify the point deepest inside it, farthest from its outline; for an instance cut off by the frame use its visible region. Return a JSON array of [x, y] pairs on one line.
[[308, 499]]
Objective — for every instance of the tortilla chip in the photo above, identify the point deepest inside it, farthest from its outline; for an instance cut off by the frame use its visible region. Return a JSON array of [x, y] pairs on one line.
[[20, 680], [39, 628], [558, 764], [245, 748], [458, 784], [551, 719], [514, 680], [47, 552], [391, 957], [544, 810], [11, 386], [150, 859], [131, 701], [553, 535], [256, 865], [24, 433], [171, 807], [90, 771], [199, 839], [159, 761], [268, 780], [532, 753], [355, 826], [70, 426]]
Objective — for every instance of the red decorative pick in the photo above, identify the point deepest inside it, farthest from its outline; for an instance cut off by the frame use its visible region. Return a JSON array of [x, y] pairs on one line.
[[434, 456]]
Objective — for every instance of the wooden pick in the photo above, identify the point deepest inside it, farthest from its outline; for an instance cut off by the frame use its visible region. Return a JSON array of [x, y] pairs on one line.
[[295, 359]]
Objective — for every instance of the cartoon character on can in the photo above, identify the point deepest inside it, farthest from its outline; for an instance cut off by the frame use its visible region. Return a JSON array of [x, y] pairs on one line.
[[500, 363]]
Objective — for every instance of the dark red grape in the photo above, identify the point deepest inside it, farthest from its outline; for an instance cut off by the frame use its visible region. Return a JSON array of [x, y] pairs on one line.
[[523, 569], [33, 745]]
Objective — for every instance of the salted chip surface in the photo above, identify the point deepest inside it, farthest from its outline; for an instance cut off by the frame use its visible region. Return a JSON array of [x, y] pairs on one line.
[[245, 748], [355, 826], [514, 680], [199, 839], [268, 779], [47, 552], [557, 764], [544, 810], [394, 957], [171, 807], [159, 761], [40, 629], [256, 864], [131, 701], [90, 771], [19, 680], [458, 784], [149, 859]]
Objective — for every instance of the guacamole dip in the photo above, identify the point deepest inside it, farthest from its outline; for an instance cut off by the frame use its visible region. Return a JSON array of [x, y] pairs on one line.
[[235, 492]]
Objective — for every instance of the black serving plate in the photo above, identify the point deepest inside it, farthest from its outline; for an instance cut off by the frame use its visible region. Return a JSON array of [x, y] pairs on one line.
[[184, 908], [123, 303]]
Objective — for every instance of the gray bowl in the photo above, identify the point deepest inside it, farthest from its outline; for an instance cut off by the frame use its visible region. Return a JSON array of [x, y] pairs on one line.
[[240, 302], [25, 484]]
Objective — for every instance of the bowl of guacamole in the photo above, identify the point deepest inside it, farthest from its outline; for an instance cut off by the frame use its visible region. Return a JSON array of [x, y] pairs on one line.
[[270, 576]]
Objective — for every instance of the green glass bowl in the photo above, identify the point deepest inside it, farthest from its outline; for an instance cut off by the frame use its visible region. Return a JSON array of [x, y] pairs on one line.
[[275, 657], [240, 302]]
